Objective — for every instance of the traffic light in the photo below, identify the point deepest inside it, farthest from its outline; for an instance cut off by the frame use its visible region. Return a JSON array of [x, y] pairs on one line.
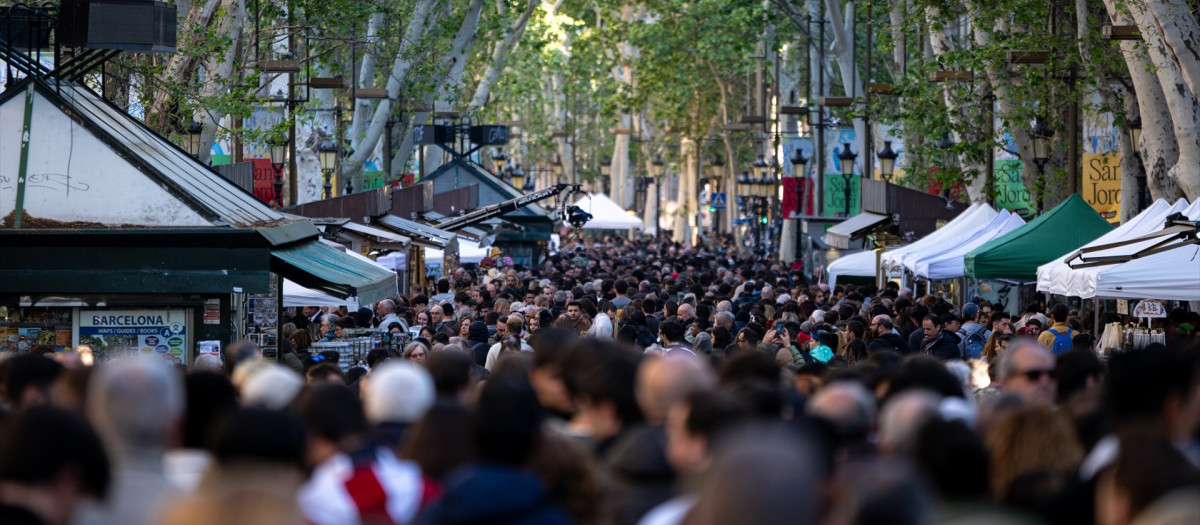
[[762, 220]]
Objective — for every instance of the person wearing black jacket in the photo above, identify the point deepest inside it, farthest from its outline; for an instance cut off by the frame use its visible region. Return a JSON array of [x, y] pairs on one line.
[[884, 338], [477, 342], [938, 342]]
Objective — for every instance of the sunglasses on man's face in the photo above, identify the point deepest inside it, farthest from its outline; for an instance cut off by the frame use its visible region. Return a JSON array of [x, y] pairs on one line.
[[1036, 375]]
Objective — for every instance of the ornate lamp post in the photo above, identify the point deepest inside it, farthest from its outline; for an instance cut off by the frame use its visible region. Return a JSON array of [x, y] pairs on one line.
[[1041, 153], [279, 147], [194, 131], [887, 161], [847, 157], [327, 153]]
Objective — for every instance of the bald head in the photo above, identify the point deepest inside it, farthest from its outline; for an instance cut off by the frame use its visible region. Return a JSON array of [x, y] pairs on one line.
[[662, 382], [848, 405], [685, 312]]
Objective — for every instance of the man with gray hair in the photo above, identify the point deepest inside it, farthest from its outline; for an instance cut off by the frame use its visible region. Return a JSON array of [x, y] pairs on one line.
[[135, 405], [725, 306], [386, 310], [1027, 370], [328, 326], [724, 320]]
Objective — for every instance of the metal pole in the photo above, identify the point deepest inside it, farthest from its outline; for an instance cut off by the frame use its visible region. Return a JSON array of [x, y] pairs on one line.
[[869, 142], [820, 187], [23, 169]]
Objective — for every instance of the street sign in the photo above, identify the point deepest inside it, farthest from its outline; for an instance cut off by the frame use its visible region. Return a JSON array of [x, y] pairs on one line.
[[718, 201]]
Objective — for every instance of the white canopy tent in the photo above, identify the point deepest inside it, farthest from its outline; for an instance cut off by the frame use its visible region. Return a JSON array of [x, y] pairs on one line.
[[1172, 275], [468, 252], [949, 263], [296, 295], [962, 231], [969, 220], [859, 264], [606, 214]]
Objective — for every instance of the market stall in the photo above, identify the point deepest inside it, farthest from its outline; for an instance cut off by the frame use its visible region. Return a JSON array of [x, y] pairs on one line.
[[606, 214], [966, 223], [140, 247], [859, 264], [1057, 277], [948, 264], [1017, 254]]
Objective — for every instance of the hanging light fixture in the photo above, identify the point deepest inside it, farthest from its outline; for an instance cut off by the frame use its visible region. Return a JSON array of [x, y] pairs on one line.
[[606, 166]]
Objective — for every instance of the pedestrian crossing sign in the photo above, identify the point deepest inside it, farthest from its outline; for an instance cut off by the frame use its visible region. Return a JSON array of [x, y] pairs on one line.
[[718, 201]]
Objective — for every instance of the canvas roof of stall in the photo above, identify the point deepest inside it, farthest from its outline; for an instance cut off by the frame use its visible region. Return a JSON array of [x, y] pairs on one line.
[[460, 173], [110, 206], [421, 234], [86, 145], [435, 218], [1017, 254]]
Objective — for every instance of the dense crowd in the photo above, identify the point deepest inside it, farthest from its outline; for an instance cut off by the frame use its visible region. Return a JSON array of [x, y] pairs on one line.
[[622, 383]]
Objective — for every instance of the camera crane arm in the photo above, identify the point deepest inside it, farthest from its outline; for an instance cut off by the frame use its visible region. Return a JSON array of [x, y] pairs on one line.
[[496, 210]]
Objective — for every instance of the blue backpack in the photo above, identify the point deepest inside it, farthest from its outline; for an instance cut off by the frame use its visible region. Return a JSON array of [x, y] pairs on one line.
[[1062, 342], [973, 344]]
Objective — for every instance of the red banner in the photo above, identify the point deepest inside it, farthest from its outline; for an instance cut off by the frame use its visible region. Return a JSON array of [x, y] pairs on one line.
[[794, 190], [264, 180], [790, 204]]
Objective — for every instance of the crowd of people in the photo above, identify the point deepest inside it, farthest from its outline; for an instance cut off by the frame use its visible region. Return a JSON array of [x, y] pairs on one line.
[[624, 383]]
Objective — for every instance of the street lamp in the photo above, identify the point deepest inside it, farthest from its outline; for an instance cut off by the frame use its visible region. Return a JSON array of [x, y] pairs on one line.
[[498, 158], [744, 185], [1041, 153], [847, 157], [716, 168], [327, 153], [887, 161], [194, 130], [799, 163], [657, 165], [279, 147], [518, 177], [606, 166]]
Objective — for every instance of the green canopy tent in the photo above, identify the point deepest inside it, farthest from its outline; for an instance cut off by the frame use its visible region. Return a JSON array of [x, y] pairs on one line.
[[1017, 254]]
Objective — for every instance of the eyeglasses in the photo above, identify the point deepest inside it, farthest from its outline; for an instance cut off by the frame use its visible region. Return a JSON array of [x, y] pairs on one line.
[[1036, 375]]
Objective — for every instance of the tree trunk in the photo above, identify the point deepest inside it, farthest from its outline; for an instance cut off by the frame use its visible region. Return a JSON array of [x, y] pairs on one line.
[[1000, 79], [1179, 30], [1131, 171], [220, 73], [366, 76], [500, 58], [1159, 150], [1182, 103], [403, 63], [940, 43], [181, 65], [455, 62], [843, 52]]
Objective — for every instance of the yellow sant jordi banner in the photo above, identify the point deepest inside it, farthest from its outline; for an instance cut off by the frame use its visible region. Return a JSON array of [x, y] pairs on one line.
[[1102, 184]]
